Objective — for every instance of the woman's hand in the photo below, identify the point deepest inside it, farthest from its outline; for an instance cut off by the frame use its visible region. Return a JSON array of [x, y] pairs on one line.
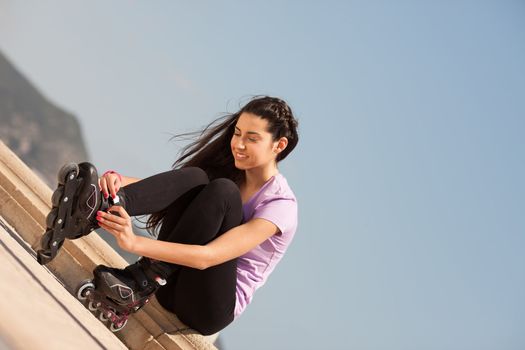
[[110, 183], [119, 226]]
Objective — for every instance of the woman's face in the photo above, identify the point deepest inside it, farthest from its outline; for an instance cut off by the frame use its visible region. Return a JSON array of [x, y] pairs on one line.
[[251, 144]]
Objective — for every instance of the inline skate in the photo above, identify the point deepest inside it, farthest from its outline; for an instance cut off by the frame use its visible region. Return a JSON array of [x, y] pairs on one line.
[[114, 294], [75, 203]]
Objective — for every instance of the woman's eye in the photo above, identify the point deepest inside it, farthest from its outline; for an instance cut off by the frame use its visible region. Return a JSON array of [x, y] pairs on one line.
[[249, 138]]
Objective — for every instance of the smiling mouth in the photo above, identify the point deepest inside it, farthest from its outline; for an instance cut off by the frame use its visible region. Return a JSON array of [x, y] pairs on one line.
[[240, 156]]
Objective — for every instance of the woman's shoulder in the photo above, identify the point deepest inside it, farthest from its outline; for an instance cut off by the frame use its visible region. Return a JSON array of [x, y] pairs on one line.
[[279, 188]]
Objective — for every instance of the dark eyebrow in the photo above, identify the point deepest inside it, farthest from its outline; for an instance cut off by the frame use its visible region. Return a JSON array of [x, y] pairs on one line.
[[250, 132]]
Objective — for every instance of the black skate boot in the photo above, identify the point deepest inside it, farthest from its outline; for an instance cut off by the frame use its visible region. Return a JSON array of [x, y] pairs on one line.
[[117, 293], [75, 204]]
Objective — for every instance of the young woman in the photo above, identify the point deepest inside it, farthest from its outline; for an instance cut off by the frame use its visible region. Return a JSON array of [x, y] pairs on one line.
[[225, 217]]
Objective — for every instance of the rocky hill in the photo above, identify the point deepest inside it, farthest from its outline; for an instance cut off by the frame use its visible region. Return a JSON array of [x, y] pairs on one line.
[[43, 135]]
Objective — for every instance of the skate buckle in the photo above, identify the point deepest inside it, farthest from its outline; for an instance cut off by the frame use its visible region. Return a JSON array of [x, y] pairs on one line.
[[116, 200], [161, 281]]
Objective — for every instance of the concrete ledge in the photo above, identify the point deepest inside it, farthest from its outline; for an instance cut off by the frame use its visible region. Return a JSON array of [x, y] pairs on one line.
[[37, 312], [25, 201]]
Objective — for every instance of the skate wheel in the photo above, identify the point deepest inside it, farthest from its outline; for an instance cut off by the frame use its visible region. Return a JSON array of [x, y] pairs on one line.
[[104, 316], [46, 239], [85, 288], [92, 306], [51, 217], [57, 195], [115, 328], [57, 243], [68, 171]]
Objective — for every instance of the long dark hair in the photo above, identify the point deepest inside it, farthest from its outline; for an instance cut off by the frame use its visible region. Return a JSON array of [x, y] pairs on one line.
[[211, 149]]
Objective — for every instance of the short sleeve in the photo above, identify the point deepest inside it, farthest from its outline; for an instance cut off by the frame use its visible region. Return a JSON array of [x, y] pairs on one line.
[[282, 212]]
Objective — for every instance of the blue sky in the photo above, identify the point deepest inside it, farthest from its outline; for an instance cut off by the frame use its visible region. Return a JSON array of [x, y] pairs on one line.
[[409, 171]]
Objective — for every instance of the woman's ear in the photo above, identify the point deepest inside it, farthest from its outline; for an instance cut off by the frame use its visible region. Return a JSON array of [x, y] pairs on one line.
[[281, 145]]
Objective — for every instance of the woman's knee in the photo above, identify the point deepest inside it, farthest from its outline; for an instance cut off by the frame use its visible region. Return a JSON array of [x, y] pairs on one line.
[[226, 193], [196, 174], [224, 188]]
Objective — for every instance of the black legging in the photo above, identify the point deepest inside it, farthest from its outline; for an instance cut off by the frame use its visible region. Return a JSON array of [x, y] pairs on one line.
[[197, 211]]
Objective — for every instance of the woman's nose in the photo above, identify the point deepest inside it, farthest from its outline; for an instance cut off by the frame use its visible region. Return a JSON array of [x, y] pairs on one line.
[[240, 145]]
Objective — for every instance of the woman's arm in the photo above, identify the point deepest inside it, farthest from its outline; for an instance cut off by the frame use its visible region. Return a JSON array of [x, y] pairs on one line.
[[239, 240], [233, 243], [126, 180]]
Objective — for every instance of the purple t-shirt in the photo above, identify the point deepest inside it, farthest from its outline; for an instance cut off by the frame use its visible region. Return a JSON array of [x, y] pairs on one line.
[[274, 202]]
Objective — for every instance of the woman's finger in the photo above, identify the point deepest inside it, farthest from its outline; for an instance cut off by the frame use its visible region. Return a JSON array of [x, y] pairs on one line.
[[112, 224], [111, 185], [120, 210], [117, 184], [115, 214], [108, 229], [108, 217], [103, 186]]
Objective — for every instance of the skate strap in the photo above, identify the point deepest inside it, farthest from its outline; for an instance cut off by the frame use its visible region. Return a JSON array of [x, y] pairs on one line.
[[138, 275]]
